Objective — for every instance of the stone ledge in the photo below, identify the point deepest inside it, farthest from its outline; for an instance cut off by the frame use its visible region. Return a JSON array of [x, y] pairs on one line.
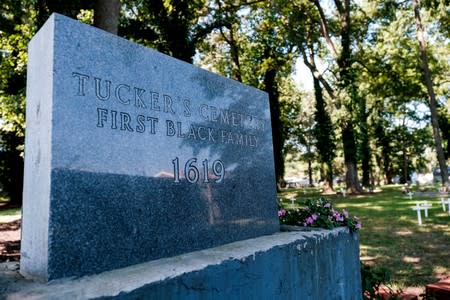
[[314, 264]]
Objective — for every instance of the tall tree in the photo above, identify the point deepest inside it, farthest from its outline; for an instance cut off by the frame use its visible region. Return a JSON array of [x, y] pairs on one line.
[[263, 57], [227, 14], [323, 132], [344, 92], [431, 96], [275, 57], [364, 142], [347, 82], [393, 76], [298, 21]]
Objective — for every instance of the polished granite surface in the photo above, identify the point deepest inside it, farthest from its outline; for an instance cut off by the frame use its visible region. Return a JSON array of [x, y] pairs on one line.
[[132, 155]]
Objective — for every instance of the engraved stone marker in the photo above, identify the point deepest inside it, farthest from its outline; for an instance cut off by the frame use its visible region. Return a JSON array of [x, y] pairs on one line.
[[132, 155]]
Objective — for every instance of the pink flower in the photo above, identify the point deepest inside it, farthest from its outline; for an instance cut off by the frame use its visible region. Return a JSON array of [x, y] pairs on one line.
[[337, 216], [345, 212], [327, 205], [281, 213], [309, 220], [314, 217], [358, 223]]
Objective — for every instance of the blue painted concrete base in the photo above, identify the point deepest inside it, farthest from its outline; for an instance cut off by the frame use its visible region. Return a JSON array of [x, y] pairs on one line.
[[299, 264]]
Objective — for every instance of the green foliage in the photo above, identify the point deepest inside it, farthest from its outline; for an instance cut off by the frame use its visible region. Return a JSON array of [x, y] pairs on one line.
[[17, 21], [10, 211], [11, 166], [86, 16], [251, 48], [167, 25], [13, 63], [371, 80], [394, 82], [324, 134], [371, 280], [72, 8]]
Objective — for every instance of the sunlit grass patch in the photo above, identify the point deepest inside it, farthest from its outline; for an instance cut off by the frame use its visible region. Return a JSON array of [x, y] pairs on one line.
[[391, 237], [3, 199], [10, 212]]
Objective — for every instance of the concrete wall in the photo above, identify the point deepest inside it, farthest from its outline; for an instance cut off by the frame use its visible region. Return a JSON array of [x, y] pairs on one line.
[[317, 264]]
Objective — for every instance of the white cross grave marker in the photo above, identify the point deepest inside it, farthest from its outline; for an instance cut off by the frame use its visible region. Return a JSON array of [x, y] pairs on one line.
[[419, 215], [448, 203], [426, 206], [419, 208], [443, 204]]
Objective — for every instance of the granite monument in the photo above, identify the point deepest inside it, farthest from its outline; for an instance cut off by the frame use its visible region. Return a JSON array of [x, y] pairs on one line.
[[132, 156]]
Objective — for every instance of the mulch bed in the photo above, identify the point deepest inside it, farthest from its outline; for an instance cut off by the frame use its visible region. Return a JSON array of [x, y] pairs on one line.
[[439, 290], [9, 249]]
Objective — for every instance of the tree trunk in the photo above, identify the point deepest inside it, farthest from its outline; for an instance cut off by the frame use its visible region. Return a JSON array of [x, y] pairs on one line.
[[323, 132], [346, 78], [384, 144], [389, 176], [106, 15], [405, 167], [235, 57], [351, 176], [431, 96], [277, 129], [309, 159], [329, 174], [310, 177], [365, 152]]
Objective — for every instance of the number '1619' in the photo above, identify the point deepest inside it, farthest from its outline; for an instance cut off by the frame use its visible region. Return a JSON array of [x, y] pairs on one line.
[[193, 174]]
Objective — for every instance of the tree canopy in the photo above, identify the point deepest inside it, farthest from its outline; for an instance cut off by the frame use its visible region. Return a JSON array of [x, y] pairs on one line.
[[381, 74]]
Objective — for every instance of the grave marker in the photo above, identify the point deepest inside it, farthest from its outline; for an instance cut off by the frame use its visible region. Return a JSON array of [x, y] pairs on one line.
[[419, 207], [132, 155], [443, 203]]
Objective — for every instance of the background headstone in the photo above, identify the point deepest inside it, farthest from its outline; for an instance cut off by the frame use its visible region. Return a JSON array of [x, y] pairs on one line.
[[132, 155]]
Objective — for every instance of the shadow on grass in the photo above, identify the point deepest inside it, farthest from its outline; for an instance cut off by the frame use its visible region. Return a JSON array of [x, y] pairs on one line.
[[9, 244], [391, 237]]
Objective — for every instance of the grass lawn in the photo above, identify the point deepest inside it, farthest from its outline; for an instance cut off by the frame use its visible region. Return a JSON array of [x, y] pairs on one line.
[[391, 237], [10, 212], [5, 210]]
